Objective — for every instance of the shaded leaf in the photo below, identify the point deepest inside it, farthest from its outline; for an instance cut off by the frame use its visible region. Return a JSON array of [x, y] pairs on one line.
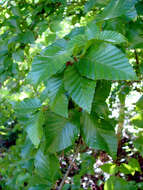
[[27, 37], [60, 105], [137, 121], [138, 143], [101, 86], [47, 166], [60, 132], [116, 183], [39, 187], [139, 103], [27, 105], [79, 88], [55, 93], [98, 138], [53, 85], [34, 128]]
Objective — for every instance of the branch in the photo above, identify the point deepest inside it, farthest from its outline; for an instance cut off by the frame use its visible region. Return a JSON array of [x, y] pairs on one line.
[[70, 167], [67, 173], [136, 57], [137, 63], [120, 127]]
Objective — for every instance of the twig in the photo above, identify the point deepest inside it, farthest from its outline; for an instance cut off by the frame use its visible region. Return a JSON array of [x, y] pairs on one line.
[[67, 173], [120, 127], [69, 168], [136, 57], [137, 63]]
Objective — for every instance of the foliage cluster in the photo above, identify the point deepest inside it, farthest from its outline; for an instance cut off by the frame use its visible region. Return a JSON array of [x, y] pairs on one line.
[[68, 70]]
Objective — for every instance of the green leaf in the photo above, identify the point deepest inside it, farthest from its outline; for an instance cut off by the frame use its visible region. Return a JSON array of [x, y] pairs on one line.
[[139, 103], [79, 88], [77, 43], [55, 92], [53, 85], [21, 178], [134, 164], [116, 183], [18, 55], [100, 108], [51, 61], [27, 105], [27, 148], [77, 31], [138, 143], [34, 128], [106, 62], [137, 121], [130, 168], [109, 168], [93, 32], [110, 36], [91, 3], [126, 169], [135, 35], [47, 166], [27, 37], [39, 187], [88, 161], [98, 138], [102, 85], [60, 132], [60, 105], [117, 8]]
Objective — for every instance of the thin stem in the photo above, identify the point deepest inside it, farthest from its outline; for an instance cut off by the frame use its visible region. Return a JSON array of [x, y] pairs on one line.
[[70, 167], [120, 126], [137, 63], [67, 173]]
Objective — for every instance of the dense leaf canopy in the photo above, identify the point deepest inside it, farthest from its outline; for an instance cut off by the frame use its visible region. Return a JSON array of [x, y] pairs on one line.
[[70, 78]]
